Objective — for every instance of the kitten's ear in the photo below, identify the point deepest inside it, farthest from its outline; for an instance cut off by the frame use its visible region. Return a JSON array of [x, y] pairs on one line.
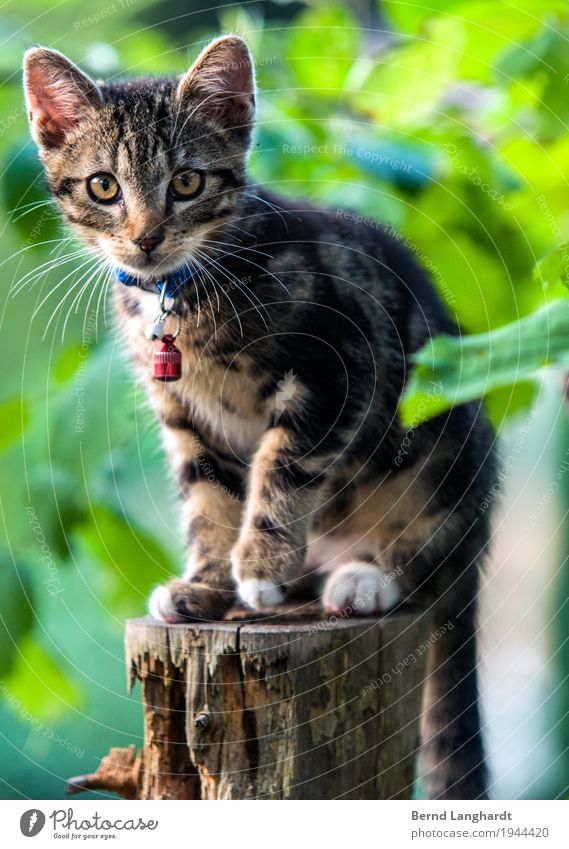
[[58, 95], [222, 83]]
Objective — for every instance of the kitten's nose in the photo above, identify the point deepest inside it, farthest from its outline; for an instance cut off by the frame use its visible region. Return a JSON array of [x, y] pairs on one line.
[[148, 243]]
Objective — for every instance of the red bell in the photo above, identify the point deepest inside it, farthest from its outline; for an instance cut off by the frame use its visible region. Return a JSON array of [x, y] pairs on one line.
[[167, 360]]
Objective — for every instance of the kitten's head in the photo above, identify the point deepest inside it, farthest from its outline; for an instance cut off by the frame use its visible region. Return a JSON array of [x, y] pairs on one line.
[[145, 170]]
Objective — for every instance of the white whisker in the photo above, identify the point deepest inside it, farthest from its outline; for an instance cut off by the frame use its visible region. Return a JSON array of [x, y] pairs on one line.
[[55, 312], [91, 296], [213, 280], [55, 288], [45, 268], [242, 286], [92, 275]]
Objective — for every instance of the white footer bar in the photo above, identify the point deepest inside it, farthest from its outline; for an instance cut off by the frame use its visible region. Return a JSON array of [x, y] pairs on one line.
[[291, 825]]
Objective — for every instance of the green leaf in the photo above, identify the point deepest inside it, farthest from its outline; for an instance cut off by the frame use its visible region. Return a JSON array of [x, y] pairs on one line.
[[452, 370], [509, 401], [14, 414], [402, 89], [16, 614], [134, 561], [324, 44], [411, 16], [543, 59], [60, 504], [68, 362], [552, 271], [491, 27], [38, 684]]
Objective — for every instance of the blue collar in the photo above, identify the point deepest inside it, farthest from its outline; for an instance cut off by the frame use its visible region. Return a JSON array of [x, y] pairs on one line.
[[175, 281]]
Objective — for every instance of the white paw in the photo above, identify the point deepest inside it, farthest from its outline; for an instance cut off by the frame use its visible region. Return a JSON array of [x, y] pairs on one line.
[[161, 606], [359, 588], [259, 593]]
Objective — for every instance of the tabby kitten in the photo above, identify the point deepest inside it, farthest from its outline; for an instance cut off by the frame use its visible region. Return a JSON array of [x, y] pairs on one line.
[[297, 329]]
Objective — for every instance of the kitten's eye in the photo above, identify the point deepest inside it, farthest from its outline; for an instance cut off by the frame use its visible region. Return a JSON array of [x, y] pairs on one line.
[[103, 188], [186, 184]]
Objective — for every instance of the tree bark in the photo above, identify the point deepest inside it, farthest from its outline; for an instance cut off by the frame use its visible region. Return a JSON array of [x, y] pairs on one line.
[[279, 708]]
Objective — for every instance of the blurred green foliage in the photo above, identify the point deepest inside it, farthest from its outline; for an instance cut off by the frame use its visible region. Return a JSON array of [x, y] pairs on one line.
[[448, 123]]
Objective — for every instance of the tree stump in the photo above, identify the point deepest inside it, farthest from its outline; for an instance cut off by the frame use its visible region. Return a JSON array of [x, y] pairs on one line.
[[286, 707]]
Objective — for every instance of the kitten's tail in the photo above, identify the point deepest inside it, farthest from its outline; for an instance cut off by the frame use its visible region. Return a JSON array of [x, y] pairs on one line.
[[452, 754]]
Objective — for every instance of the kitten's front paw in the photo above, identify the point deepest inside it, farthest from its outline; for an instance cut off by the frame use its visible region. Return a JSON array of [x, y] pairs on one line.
[[182, 601], [359, 589], [260, 574], [258, 593]]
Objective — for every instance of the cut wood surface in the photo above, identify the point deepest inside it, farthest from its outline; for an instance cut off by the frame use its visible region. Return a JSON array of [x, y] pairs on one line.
[[289, 706]]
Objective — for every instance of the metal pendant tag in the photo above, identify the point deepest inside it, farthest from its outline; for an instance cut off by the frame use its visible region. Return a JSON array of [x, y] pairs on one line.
[[155, 330]]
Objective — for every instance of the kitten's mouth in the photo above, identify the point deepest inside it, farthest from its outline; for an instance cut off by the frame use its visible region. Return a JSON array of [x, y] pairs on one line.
[[144, 262], [149, 266]]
